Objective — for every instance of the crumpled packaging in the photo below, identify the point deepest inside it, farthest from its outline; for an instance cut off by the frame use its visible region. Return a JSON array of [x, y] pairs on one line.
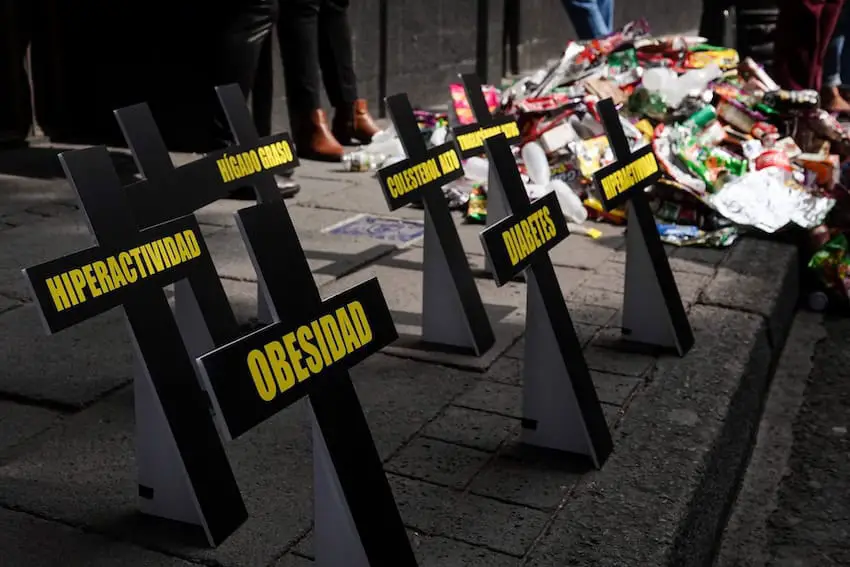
[[769, 201]]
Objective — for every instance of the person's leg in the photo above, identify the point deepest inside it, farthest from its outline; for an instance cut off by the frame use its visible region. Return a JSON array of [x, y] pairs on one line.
[[262, 95], [606, 10], [831, 98], [240, 43], [712, 22], [586, 18], [336, 53], [803, 31], [15, 97], [262, 101], [828, 23], [843, 26], [336, 56], [298, 39], [298, 36]]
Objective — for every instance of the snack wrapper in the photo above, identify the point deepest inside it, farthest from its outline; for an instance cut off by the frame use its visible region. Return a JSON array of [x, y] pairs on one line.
[[461, 105], [593, 155], [832, 265]]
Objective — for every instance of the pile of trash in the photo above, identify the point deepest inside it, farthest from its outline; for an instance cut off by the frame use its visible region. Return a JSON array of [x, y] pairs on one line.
[[738, 153]]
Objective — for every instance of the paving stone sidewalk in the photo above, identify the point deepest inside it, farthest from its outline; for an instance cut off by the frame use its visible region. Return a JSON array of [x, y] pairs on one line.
[[469, 493]]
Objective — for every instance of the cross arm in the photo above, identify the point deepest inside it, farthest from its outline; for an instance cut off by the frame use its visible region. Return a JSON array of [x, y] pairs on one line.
[[515, 242], [82, 285], [259, 375]]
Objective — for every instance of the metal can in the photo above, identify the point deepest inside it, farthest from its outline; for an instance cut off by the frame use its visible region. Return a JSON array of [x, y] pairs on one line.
[[783, 100], [700, 118], [818, 301], [773, 158]]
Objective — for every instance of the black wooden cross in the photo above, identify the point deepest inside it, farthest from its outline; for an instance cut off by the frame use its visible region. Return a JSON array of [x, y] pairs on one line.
[[186, 187], [452, 310], [307, 352], [470, 137], [653, 312], [560, 406], [128, 268], [251, 161]]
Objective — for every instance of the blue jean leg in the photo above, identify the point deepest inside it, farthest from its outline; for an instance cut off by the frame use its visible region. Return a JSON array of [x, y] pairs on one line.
[[836, 61], [843, 28], [832, 61], [606, 8], [588, 19]]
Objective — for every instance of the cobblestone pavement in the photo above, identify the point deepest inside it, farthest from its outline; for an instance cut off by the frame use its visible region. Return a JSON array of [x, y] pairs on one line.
[[448, 436], [812, 523], [794, 508]]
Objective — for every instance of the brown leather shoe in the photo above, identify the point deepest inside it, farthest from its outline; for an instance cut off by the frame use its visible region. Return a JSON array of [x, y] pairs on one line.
[[354, 122], [833, 101], [313, 138]]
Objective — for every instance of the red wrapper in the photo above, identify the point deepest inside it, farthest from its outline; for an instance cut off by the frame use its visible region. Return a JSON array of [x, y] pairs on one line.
[[773, 158], [762, 129]]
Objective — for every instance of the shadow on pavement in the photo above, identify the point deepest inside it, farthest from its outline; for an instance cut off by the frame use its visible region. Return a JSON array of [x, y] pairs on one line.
[[42, 162]]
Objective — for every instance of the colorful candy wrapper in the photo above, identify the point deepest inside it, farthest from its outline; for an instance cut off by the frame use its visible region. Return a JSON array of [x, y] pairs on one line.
[[476, 211], [596, 211], [692, 236], [461, 105], [832, 266]]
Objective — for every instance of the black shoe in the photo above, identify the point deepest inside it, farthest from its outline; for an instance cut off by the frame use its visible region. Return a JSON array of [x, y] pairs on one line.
[[287, 187]]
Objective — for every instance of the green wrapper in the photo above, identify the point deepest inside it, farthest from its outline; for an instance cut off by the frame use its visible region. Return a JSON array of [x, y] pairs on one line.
[[688, 157], [476, 211], [826, 261], [624, 60]]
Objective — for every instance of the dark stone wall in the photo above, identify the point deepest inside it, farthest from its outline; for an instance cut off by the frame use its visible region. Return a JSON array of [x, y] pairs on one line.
[[413, 46], [544, 27]]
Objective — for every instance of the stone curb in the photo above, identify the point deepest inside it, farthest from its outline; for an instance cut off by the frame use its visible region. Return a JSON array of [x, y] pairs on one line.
[[680, 452]]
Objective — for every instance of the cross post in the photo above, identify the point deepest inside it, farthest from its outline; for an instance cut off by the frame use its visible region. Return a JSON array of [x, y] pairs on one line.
[[200, 307], [653, 313], [471, 137], [452, 311], [307, 352], [251, 161], [128, 268], [560, 407]]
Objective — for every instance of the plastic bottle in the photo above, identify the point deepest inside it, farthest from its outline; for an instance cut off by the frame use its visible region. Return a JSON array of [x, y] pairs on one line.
[[477, 169], [536, 163], [390, 147], [571, 205], [693, 81], [384, 135], [362, 161], [656, 78], [438, 136]]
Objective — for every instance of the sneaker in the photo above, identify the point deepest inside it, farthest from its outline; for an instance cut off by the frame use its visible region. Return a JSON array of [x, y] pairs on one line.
[[286, 186]]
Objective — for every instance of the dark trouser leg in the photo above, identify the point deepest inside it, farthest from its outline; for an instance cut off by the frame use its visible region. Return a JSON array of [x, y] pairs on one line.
[[298, 36], [336, 54], [352, 120], [802, 36], [238, 54], [262, 97], [298, 33], [15, 99], [712, 22]]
